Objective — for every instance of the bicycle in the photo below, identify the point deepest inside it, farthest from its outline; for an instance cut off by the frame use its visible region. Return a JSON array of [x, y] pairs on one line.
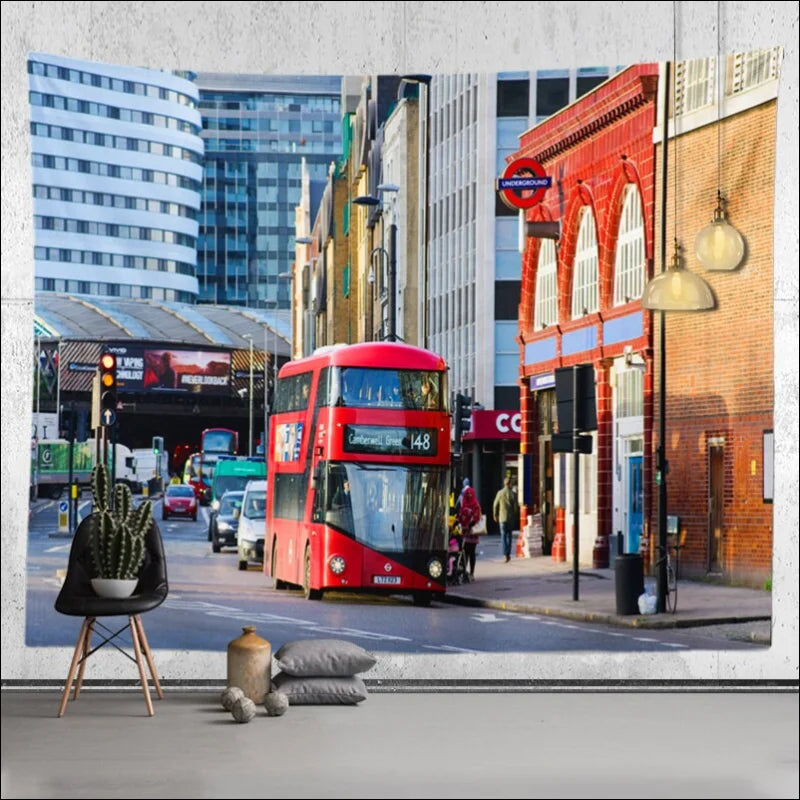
[[671, 590]]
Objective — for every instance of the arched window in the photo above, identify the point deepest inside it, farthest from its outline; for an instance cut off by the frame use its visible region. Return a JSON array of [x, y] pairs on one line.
[[629, 265], [546, 286], [584, 275]]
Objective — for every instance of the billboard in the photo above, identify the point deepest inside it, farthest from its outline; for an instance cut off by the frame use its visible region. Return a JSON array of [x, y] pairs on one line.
[[171, 371]]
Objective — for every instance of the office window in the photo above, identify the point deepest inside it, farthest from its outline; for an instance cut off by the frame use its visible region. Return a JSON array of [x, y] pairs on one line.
[[552, 94], [513, 98]]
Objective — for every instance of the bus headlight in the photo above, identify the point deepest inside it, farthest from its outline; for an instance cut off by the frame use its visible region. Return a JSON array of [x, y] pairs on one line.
[[435, 568], [337, 565]]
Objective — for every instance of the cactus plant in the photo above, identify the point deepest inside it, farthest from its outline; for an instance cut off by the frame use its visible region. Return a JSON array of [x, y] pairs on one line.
[[118, 531]]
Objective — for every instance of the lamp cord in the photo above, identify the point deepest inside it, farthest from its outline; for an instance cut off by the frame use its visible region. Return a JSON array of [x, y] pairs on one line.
[[675, 118], [719, 106]]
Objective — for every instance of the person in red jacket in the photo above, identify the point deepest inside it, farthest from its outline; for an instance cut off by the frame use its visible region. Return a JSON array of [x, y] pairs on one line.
[[468, 516]]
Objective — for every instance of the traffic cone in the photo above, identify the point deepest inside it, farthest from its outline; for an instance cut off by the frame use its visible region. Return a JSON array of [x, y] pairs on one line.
[[522, 545]]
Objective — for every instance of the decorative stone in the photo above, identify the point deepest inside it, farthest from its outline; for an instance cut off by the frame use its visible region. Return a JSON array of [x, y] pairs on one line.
[[276, 704], [230, 696], [244, 709], [250, 664]]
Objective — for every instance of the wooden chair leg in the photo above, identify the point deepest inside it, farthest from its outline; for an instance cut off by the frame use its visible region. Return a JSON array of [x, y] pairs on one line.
[[78, 648], [148, 655], [87, 646], [140, 663]]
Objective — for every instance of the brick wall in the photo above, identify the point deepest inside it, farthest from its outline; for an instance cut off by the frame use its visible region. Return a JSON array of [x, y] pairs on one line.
[[720, 363]]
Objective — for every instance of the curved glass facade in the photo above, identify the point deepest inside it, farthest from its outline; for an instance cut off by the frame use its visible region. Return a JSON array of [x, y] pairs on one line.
[[117, 172]]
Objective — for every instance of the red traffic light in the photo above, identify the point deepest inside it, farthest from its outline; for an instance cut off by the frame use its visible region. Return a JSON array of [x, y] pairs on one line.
[[108, 361]]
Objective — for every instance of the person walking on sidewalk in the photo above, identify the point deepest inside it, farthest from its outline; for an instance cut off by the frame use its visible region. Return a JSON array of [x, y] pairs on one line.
[[505, 511], [468, 516]]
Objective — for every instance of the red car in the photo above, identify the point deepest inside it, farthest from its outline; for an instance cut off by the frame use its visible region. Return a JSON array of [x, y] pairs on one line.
[[179, 501]]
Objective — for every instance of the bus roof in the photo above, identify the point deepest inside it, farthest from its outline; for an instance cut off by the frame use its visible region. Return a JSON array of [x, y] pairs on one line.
[[388, 355]]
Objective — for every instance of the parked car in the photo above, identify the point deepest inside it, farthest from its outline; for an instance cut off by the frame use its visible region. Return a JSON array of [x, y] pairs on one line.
[[252, 524], [179, 501], [224, 521]]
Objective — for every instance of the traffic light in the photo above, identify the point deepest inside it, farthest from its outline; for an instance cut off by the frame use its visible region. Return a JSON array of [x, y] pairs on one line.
[[463, 414], [108, 383], [158, 445]]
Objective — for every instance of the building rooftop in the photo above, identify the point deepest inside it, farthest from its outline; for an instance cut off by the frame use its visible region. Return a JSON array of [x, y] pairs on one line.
[[79, 317]]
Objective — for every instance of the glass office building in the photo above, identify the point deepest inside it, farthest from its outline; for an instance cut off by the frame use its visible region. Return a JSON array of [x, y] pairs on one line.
[[117, 170], [256, 130]]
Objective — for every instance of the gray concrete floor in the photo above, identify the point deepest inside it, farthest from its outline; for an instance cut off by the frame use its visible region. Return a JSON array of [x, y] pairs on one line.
[[423, 744]]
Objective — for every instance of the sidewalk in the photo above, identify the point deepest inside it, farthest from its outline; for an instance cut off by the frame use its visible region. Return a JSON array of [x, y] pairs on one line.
[[539, 585]]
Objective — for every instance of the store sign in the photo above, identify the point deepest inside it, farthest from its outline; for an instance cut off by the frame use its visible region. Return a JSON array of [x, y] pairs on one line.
[[495, 425], [389, 440]]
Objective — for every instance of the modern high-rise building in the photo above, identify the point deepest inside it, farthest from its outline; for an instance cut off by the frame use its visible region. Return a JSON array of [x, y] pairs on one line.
[[256, 130], [474, 262], [117, 170]]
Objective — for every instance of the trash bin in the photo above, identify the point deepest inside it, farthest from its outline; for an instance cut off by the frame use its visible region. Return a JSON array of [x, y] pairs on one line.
[[629, 582]]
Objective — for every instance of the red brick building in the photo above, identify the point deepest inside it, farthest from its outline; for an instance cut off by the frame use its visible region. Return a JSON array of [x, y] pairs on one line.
[[580, 303]]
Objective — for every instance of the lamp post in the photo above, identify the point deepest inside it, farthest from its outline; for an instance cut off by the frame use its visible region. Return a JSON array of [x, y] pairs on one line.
[[674, 289], [370, 200], [249, 337]]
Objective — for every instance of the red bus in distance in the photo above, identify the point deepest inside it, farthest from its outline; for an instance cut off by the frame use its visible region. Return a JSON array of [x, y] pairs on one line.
[[214, 442], [358, 472]]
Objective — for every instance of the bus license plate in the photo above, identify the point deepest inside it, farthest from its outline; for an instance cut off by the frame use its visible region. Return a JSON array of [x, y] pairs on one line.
[[384, 579]]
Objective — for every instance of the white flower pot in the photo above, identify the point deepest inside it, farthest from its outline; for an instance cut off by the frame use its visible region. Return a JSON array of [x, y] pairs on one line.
[[114, 587]]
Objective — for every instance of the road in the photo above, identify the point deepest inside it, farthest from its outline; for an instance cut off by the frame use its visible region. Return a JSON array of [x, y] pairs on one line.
[[210, 598]]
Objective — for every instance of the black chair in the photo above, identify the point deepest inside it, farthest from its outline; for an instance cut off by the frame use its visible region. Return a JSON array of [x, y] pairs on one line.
[[77, 598]]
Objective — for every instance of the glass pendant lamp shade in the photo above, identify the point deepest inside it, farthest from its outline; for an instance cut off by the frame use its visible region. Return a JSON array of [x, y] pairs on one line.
[[677, 289], [719, 246]]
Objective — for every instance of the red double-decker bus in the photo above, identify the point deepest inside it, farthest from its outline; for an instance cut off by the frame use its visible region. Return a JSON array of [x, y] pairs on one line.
[[358, 472]]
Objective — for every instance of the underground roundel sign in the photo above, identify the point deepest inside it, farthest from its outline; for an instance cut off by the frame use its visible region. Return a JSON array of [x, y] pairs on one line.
[[523, 183]]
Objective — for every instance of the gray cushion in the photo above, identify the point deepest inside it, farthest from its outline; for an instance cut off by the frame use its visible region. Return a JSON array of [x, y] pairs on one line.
[[329, 690], [323, 657]]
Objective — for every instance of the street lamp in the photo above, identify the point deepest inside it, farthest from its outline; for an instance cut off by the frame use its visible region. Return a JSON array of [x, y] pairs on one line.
[[249, 337], [674, 289], [370, 200]]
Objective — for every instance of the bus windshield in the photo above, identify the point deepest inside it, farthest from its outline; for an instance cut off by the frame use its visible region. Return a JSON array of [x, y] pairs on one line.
[[390, 508], [219, 440], [366, 387]]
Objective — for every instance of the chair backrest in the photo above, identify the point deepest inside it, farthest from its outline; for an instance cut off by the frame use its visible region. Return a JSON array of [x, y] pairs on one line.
[[77, 594]]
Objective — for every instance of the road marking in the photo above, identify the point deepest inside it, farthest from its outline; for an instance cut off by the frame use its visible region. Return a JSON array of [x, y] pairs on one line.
[[450, 648], [58, 548], [487, 616], [229, 612]]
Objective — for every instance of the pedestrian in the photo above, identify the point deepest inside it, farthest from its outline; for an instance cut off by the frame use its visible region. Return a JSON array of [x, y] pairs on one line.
[[505, 511], [464, 486], [468, 516]]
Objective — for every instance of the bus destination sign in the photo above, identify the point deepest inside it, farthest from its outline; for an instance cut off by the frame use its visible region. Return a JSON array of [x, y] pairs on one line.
[[389, 440]]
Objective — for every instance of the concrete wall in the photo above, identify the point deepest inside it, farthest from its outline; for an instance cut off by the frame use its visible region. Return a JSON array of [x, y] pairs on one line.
[[404, 37]]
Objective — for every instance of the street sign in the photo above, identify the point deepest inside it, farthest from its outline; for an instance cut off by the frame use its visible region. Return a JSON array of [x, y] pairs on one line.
[[108, 417], [524, 175], [63, 516]]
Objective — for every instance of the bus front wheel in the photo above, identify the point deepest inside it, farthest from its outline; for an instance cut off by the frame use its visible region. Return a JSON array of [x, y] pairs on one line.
[[308, 592]]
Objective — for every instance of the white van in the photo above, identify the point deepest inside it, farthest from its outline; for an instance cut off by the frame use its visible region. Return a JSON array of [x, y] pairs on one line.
[[252, 524]]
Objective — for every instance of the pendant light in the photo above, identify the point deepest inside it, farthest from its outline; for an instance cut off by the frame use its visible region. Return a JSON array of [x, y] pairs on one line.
[[677, 289], [719, 246]]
